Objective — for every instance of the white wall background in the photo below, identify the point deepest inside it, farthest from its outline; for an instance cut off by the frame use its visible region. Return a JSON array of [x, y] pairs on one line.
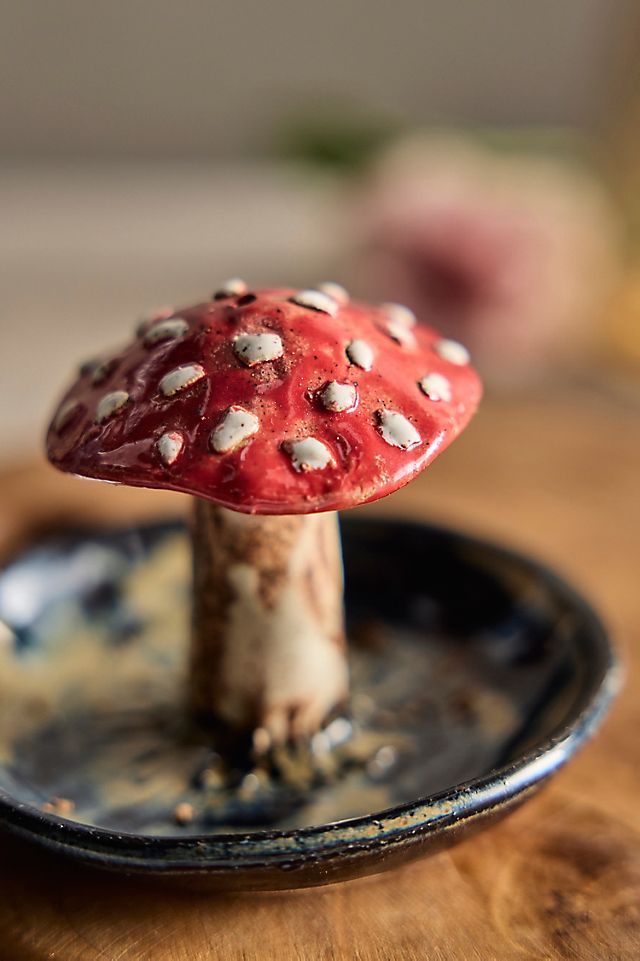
[[127, 78]]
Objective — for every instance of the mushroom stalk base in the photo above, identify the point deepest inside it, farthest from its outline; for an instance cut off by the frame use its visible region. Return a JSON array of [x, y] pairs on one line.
[[268, 643]]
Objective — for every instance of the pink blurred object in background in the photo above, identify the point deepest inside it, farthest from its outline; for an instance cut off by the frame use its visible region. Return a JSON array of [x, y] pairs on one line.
[[513, 254]]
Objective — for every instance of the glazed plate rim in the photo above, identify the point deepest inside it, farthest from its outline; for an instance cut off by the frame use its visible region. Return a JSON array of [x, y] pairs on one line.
[[400, 825]]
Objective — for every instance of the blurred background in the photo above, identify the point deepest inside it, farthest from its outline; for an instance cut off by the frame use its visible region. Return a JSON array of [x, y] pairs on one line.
[[479, 162]]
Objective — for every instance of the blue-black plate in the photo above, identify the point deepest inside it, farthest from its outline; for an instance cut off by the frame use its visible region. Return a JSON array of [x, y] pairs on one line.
[[476, 673]]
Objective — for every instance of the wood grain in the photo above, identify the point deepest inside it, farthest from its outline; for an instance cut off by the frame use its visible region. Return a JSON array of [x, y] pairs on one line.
[[558, 879]]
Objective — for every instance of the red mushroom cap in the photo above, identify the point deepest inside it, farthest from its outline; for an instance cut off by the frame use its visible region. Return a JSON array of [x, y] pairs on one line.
[[273, 402]]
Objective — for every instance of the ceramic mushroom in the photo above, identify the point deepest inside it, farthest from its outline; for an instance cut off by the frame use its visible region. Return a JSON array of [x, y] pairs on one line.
[[274, 409]]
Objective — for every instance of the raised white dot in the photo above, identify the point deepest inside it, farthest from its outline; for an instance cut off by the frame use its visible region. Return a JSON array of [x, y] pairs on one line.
[[162, 313], [316, 300], [338, 397], [88, 366], [399, 314], [170, 446], [436, 387], [336, 291], [399, 332], [360, 354], [452, 351], [180, 378], [234, 287], [308, 454], [397, 430], [254, 349], [65, 414], [98, 369], [166, 330], [102, 371], [236, 426], [110, 404]]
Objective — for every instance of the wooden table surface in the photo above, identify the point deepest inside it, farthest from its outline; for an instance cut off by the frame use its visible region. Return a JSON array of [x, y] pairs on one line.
[[560, 878]]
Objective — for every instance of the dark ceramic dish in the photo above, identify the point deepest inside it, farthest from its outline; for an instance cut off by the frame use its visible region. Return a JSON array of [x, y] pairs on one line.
[[477, 673]]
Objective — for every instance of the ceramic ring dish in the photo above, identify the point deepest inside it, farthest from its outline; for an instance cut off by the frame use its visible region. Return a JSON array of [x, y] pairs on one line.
[[476, 674]]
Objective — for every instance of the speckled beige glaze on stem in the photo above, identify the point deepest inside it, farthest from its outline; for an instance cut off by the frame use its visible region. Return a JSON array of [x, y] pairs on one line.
[[268, 643]]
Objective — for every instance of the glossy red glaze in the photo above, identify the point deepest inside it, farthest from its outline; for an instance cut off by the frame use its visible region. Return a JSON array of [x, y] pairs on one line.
[[258, 476]]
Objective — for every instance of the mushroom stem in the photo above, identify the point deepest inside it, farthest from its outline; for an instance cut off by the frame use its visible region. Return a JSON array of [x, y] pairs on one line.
[[268, 643]]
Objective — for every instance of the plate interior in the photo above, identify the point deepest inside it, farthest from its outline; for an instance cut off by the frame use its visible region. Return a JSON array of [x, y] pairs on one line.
[[461, 660]]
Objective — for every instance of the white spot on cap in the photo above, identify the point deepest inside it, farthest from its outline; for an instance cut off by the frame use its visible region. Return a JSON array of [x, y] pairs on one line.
[[336, 291], [399, 332], [65, 414], [452, 351], [180, 378], [170, 446], [110, 404], [316, 300], [234, 287], [308, 454], [360, 354], [237, 426], [257, 348], [399, 314], [436, 387], [397, 430], [338, 397], [162, 313], [88, 366], [102, 370], [166, 330]]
